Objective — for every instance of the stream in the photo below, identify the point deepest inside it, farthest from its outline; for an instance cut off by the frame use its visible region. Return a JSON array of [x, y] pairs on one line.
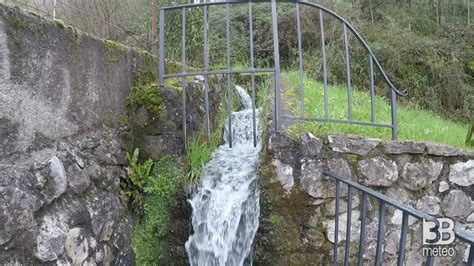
[[226, 203]]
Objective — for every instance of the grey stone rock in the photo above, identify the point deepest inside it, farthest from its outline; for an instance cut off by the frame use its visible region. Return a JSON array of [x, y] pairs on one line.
[[142, 116], [78, 180], [330, 207], [278, 141], [77, 246], [400, 147], [59, 179], [470, 218], [311, 178], [429, 204], [352, 144], [462, 174], [108, 256], [378, 171], [311, 146], [400, 193], [397, 218], [443, 186], [284, 175], [355, 227], [456, 205], [315, 237], [51, 238], [438, 149], [392, 241], [340, 167], [417, 176]]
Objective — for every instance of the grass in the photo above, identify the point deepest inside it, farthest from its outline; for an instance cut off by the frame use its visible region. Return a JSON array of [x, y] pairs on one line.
[[413, 124], [159, 196]]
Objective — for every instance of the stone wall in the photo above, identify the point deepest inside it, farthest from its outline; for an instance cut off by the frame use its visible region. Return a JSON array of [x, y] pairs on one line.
[[298, 206], [63, 137]]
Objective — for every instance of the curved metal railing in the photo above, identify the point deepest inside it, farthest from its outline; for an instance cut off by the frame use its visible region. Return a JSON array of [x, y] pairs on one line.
[[347, 27]]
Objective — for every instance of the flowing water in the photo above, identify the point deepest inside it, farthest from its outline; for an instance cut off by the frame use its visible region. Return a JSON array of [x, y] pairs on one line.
[[226, 203]]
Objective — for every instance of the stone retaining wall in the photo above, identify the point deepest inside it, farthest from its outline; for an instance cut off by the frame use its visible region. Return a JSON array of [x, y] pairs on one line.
[[298, 206]]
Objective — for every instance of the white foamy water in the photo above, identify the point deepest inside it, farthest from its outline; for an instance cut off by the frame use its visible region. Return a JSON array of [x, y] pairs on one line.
[[226, 205]]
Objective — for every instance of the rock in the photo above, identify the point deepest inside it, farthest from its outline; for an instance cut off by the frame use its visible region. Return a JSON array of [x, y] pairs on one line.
[[352, 144], [470, 218], [456, 205], [51, 237], [355, 227], [392, 241], [429, 204], [417, 176], [78, 180], [340, 167], [378, 171], [316, 237], [59, 179], [108, 256], [330, 207], [311, 146], [278, 141], [76, 245], [441, 149], [443, 186], [284, 175], [311, 178], [400, 193], [462, 174], [142, 116], [400, 147], [397, 218]]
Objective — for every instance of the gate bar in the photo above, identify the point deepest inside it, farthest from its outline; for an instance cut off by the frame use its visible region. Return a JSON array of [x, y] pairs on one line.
[[161, 54], [183, 70], [218, 72], [363, 214], [372, 89], [252, 66], [229, 89], [348, 225], [300, 57], [276, 56], [348, 73], [206, 84], [325, 74]]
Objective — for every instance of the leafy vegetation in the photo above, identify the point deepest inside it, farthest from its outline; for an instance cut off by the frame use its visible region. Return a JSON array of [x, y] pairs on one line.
[[156, 185], [413, 123]]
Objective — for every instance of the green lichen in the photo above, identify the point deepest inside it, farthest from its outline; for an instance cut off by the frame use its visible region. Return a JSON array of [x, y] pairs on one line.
[[274, 219], [113, 51], [59, 22], [146, 95]]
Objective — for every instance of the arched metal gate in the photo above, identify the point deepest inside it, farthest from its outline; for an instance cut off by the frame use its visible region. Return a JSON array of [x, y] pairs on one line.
[[322, 11]]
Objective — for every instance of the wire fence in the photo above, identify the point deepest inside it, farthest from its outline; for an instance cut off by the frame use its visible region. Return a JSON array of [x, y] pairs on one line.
[[125, 21]]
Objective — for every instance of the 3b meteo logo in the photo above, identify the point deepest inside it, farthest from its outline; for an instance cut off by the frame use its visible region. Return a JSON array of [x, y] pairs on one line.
[[437, 237]]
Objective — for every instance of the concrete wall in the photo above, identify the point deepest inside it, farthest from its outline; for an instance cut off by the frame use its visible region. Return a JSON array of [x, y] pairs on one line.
[[298, 206], [63, 136]]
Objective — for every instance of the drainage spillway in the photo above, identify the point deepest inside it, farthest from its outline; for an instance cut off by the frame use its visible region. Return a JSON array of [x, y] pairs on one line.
[[226, 203]]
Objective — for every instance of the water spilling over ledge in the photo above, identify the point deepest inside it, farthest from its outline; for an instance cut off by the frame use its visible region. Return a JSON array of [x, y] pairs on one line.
[[226, 204]]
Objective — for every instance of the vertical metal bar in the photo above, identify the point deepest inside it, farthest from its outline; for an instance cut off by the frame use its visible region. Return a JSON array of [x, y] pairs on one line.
[[276, 54], [229, 89], [393, 100], [470, 259], [380, 234], [206, 83], [372, 89], [325, 72], [348, 226], [252, 66], [336, 223], [403, 239], [430, 260], [183, 70], [348, 72], [300, 57], [363, 214], [161, 54]]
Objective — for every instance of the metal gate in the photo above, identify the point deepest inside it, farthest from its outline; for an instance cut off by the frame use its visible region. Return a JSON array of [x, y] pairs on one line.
[[276, 70]]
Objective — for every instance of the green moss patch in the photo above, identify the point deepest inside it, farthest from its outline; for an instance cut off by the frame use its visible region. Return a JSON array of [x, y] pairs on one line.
[[161, 182]]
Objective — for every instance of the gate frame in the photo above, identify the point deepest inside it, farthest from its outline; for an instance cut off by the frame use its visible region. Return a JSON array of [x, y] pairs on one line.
[[276, 69]]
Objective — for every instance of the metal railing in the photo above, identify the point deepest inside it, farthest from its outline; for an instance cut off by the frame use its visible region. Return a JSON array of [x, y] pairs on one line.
[[383, 201], [276, 70]]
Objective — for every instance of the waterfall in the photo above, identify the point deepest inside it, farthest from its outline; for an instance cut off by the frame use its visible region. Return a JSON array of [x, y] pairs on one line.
[[226, 204]]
